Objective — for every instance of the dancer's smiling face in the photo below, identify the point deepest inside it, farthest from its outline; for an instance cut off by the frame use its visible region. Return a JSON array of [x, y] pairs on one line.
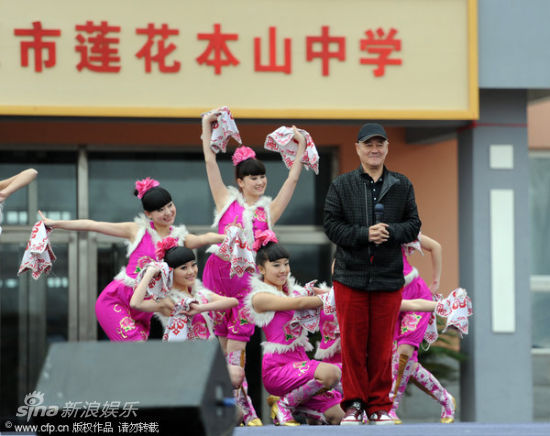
[[185, 275], [275, 272], [165, 216], [253, 186]]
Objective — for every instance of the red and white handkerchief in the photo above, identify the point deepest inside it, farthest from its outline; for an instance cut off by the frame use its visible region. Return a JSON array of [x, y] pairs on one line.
[[281, 140], [235, 250], [160, 285], [223, 129], [38, 256], [455, 308], [410, 247]]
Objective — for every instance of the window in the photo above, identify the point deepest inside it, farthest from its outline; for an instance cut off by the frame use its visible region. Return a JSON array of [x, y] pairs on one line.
[[539, 205]]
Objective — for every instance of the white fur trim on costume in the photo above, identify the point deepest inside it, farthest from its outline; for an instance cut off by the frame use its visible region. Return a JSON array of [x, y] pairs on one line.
[[248, 212], [125, 278], [178, 232], [325, 353], [411, 276], [264, 318], [261, 319], [142, 221], [301, 341]]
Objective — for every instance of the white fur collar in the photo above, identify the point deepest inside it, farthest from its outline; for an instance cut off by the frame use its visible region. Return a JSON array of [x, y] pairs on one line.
[[411, 276], [248, 213], [325, 353], [257, 285], [144, 223], [301, 341]]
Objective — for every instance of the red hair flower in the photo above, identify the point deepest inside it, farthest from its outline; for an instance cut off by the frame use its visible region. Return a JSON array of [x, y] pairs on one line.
[[261, 239], [142, 186], [165, 245], [242, 153]]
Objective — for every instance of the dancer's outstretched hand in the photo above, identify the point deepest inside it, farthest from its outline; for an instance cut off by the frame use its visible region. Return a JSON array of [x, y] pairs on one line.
[[211, 115], [50, 224]]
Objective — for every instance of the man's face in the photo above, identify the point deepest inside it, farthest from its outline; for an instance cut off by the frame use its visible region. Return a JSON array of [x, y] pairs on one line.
[[372, 152]]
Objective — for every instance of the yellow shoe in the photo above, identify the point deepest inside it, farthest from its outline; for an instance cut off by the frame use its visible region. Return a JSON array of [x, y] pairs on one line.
[[450, 419], [272, 401], [256, 422]]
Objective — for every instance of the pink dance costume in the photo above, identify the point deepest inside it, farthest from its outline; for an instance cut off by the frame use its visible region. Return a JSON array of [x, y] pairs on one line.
[[329, 348], [234, 323], [411, 326], [287, 371], [179, 327], [119, 321], [410, 329]]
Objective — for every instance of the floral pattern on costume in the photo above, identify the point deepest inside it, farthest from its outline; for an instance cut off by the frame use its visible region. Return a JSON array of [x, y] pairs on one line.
[[330, 330], [199, 330], [235, 250], [303, 367], [142, 262], [182, 327], [410, 322], [260, 215], [126, 324], [292, 330]]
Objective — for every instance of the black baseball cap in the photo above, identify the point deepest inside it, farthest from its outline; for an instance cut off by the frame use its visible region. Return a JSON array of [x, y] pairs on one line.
[[370, 130]]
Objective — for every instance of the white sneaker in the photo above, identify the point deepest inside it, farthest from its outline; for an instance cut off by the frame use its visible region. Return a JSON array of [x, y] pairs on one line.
[[381, 418], [354, 414]]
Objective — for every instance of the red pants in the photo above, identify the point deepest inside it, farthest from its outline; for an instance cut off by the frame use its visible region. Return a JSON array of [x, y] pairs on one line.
[[367, 321]]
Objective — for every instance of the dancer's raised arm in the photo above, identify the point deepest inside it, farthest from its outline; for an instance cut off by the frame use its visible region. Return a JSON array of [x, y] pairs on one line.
[[10, 185], [280, 202], [217, 187], [164, 306], [435, 250]]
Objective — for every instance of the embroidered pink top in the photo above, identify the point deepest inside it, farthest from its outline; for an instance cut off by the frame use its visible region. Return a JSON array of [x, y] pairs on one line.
[[252, 218]]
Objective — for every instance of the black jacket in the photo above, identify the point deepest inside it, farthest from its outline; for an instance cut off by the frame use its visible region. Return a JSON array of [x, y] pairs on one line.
[[348, 215]]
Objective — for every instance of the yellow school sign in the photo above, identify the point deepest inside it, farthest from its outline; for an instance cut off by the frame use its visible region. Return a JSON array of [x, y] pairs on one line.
[[385, 59]]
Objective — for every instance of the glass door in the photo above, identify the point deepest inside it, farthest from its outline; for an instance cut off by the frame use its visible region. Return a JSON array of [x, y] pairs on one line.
[[33, 314]]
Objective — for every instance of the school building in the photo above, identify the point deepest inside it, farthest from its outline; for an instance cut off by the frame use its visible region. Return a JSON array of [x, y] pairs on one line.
[[95, 99]]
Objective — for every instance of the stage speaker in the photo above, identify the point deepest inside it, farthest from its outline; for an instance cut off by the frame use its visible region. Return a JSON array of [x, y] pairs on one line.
[[179, 388]]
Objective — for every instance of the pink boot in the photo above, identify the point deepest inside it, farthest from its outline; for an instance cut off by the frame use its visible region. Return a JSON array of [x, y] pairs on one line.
[[427, 382], [282, 410], [243, 401], [404, 371]]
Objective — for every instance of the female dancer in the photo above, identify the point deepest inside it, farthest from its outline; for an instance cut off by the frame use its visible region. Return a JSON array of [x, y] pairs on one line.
[[10, 185], [287, 371], [410, 329], [329, 348], [248, 207], [186, 291], [119, 321]]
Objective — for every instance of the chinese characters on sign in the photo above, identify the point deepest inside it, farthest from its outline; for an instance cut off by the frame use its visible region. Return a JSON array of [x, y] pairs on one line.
[[97, 45]]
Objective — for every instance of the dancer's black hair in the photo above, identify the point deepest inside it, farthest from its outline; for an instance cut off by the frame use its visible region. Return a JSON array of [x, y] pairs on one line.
[[177, 256], [154, 198], [249, 167], [272, 251]]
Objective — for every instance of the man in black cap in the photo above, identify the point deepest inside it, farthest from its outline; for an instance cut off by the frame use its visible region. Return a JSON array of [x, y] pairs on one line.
[[368, 271]]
